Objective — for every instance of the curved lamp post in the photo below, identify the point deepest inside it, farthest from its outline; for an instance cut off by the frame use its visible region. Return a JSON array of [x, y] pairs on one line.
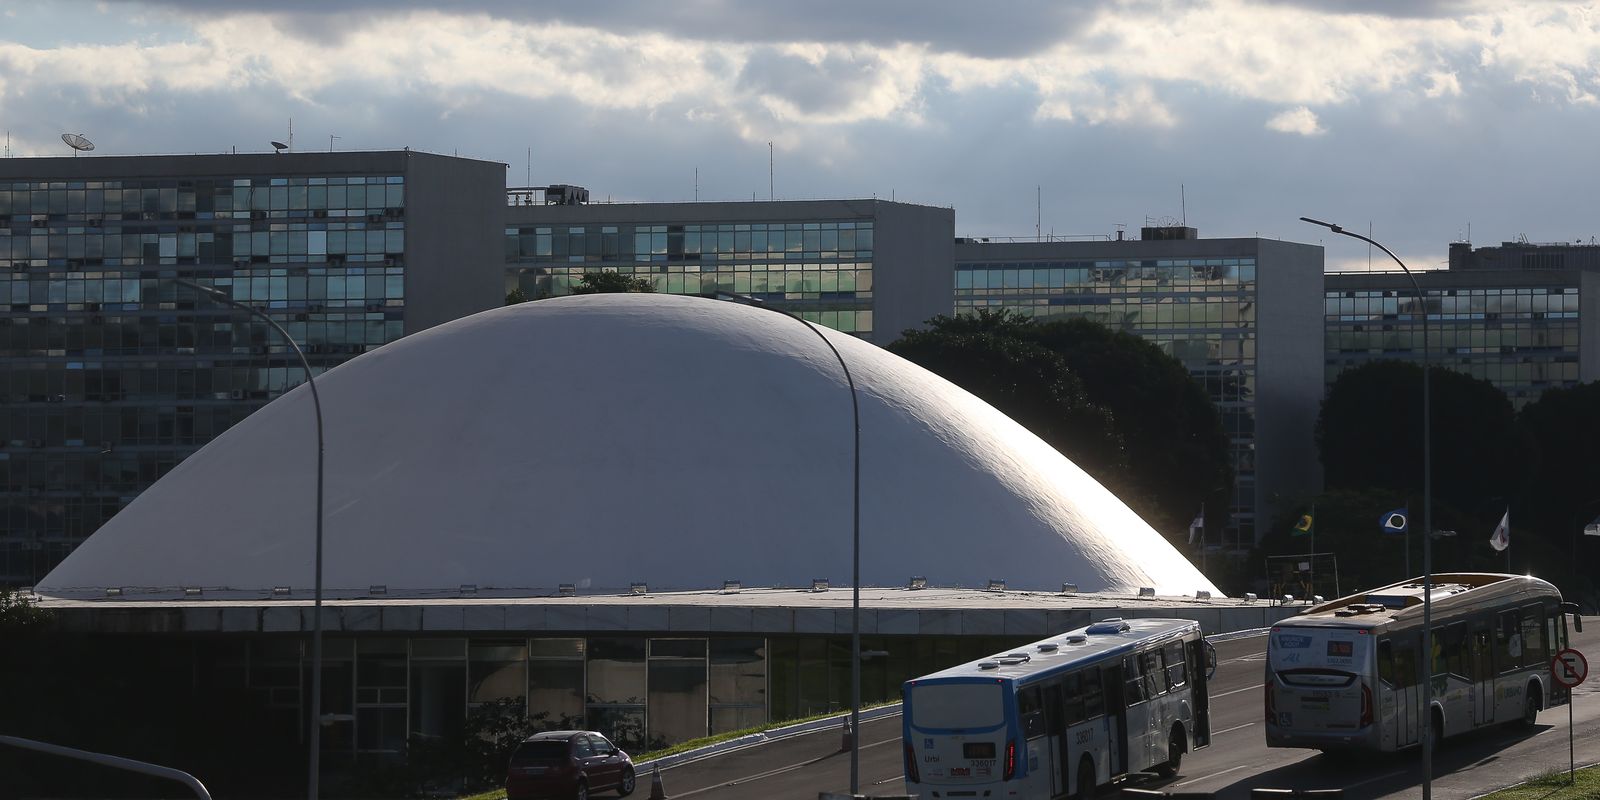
[[855, 541], [316, 624], [1427, 512]]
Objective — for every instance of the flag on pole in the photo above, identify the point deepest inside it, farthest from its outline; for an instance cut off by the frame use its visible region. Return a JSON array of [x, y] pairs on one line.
[[1395, 521], [1501, 538], [1198, 525], [1593, 528], [1304, 526]]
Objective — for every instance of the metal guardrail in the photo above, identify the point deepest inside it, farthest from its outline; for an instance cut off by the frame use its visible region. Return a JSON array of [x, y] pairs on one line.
[[115, 762]]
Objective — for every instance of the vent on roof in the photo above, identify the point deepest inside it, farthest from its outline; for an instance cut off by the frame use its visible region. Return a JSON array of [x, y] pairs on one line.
[[1112, 625]]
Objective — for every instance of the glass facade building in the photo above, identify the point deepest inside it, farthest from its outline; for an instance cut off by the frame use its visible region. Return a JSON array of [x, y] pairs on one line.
[[1522, 330], [1199, 301], [111, 374], [864, 267]]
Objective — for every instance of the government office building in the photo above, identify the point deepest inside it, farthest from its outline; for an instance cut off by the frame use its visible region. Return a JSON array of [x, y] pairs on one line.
[[1523, 329], [1241, 314], [873, 268], [110, 374]]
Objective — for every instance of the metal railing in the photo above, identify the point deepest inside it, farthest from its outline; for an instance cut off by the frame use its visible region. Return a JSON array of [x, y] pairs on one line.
[[115, 762]]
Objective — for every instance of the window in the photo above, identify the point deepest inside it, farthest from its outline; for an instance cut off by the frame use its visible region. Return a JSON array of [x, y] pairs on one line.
[[1405, 665], [1534, 651], [1030, 709], [1177, 674], [1133, 684], [1073, 695], [1508, 641]]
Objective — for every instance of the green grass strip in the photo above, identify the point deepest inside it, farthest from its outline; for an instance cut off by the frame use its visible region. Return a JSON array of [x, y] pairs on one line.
[[1554, 786]]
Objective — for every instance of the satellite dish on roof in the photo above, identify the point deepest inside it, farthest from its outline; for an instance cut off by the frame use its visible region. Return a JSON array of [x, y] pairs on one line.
[[77, 142], [279, 146]]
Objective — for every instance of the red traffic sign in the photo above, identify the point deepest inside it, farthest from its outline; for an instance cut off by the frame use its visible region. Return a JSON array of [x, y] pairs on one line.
[[1569, 668]]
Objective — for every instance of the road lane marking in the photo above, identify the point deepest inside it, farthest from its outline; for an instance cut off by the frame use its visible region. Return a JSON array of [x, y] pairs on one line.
[[780, 770], [1232, 729], [1386, 776], [886, 780], [1213, 775], [1236, 691]]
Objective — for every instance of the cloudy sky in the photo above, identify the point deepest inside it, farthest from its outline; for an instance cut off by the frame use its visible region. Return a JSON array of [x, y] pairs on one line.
[[1418, 117]]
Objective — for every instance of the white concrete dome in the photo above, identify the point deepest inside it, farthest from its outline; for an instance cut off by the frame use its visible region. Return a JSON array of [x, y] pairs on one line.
[[606, 439]]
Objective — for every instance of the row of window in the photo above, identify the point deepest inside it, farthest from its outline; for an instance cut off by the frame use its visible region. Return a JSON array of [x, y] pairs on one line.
[[1522, 638], [1149, 279], [262, 194], [366, 237], [1055, 704], [351, 285]]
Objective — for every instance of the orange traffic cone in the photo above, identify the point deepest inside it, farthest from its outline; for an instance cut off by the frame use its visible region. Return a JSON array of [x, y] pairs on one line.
[[657, 791]]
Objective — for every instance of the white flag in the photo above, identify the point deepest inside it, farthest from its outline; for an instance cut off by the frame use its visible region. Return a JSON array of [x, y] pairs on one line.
[[1501, 539], [1593, 528], [1198, 525]]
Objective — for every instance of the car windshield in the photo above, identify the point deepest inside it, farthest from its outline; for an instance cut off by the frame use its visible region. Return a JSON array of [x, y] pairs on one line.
[[544, 752]]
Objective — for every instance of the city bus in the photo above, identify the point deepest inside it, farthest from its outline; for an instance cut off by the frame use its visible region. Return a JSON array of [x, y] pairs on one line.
[[1061, 716], [1348, 674]]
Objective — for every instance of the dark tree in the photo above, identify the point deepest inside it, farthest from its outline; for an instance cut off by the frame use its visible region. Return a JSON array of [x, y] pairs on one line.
[[1370, 435], [1176, 445], [516, 296], [607, 281], [1023, 380], [1562, 432], [1154, 438]]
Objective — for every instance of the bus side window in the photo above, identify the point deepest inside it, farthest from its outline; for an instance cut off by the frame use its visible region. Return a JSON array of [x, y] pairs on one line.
[[1177, 674], [1031, 712], [1094, 700], [1508, 641], [1449, 646], [1155, 675], [1533, 646], [1054, 724], [1133, 682], [1072, 692], [1405, 664], [1386, 661]]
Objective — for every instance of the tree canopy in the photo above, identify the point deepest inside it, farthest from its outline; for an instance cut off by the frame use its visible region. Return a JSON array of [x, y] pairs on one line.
[[1024, 380], [1118, 407], [607, 281], [1370, 435], [1562, 432]]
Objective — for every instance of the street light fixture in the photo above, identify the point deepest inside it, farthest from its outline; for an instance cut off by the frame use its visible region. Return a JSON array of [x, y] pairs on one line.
[[1427, 509], [316, 624], [855, 541]]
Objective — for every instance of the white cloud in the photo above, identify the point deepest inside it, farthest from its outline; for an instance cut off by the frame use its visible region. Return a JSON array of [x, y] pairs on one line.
[[1296, 120], [1443, 84]]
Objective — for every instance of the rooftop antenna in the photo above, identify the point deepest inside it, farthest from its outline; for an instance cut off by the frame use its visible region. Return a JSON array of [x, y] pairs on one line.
[[291, 133], [697, 184], [1038, 206], [278, 147], [331, 137], [8, 144], [76, 141], [1183, 204], [530, 168]]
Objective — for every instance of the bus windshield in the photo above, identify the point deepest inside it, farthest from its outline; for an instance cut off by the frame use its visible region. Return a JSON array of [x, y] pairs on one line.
[[1318, 650], [957, 705]]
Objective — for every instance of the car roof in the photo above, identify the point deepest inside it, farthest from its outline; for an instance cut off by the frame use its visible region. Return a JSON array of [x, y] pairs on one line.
[[545, 736]]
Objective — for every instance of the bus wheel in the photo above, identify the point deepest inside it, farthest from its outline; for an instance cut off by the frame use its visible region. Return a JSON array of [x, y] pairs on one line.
[[1530, 705], [1174, 754], [1086, 782]]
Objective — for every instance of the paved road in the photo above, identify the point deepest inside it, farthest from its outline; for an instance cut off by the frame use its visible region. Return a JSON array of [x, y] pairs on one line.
[[1238, 760]]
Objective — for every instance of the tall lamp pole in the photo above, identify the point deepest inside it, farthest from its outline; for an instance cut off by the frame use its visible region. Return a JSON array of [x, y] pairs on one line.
[[855, 536], [1427, 511], [316, 624]]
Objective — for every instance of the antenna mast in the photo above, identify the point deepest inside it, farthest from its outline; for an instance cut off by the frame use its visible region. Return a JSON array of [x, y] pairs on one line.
[[291, 135], [1183, 204], [772, 193], [1038, 210]]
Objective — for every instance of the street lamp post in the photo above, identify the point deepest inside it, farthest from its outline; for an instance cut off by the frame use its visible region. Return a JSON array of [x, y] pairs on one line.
[[316, 624], [1427, 510], [855, 537]]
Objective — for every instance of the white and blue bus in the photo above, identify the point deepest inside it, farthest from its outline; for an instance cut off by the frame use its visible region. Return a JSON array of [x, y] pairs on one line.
[[1061, 716], [1349, 674]]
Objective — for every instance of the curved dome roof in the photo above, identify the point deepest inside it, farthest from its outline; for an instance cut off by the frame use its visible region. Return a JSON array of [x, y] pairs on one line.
[[605, 439]]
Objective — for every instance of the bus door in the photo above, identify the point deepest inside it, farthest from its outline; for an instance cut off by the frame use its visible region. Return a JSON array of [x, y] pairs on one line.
[[1407, 691], [1482, 675], [1137, 715], [1116, 719], [1054, 750], [1199, 693]]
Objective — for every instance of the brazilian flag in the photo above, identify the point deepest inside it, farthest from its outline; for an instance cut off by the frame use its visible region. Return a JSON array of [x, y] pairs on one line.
[[1304, 527]]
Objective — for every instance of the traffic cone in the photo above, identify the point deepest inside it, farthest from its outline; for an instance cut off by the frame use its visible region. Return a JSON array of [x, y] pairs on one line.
[[848, 738], [657, 791]]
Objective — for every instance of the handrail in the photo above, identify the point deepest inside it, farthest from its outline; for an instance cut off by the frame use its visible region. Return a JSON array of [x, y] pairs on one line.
[[115, 762]]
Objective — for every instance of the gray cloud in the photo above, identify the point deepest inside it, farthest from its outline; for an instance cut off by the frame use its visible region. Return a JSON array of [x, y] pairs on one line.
[[999, 28], [813, 88]]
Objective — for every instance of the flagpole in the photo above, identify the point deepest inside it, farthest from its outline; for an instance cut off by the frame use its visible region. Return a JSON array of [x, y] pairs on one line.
[[1311, 558], [1508, 539], [1407, 507]]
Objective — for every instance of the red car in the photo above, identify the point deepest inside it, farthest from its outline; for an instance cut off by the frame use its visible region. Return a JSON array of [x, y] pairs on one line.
[[568, 764]]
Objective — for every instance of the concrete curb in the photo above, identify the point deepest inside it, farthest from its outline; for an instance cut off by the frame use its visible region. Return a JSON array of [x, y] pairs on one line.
[[751, 740]]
